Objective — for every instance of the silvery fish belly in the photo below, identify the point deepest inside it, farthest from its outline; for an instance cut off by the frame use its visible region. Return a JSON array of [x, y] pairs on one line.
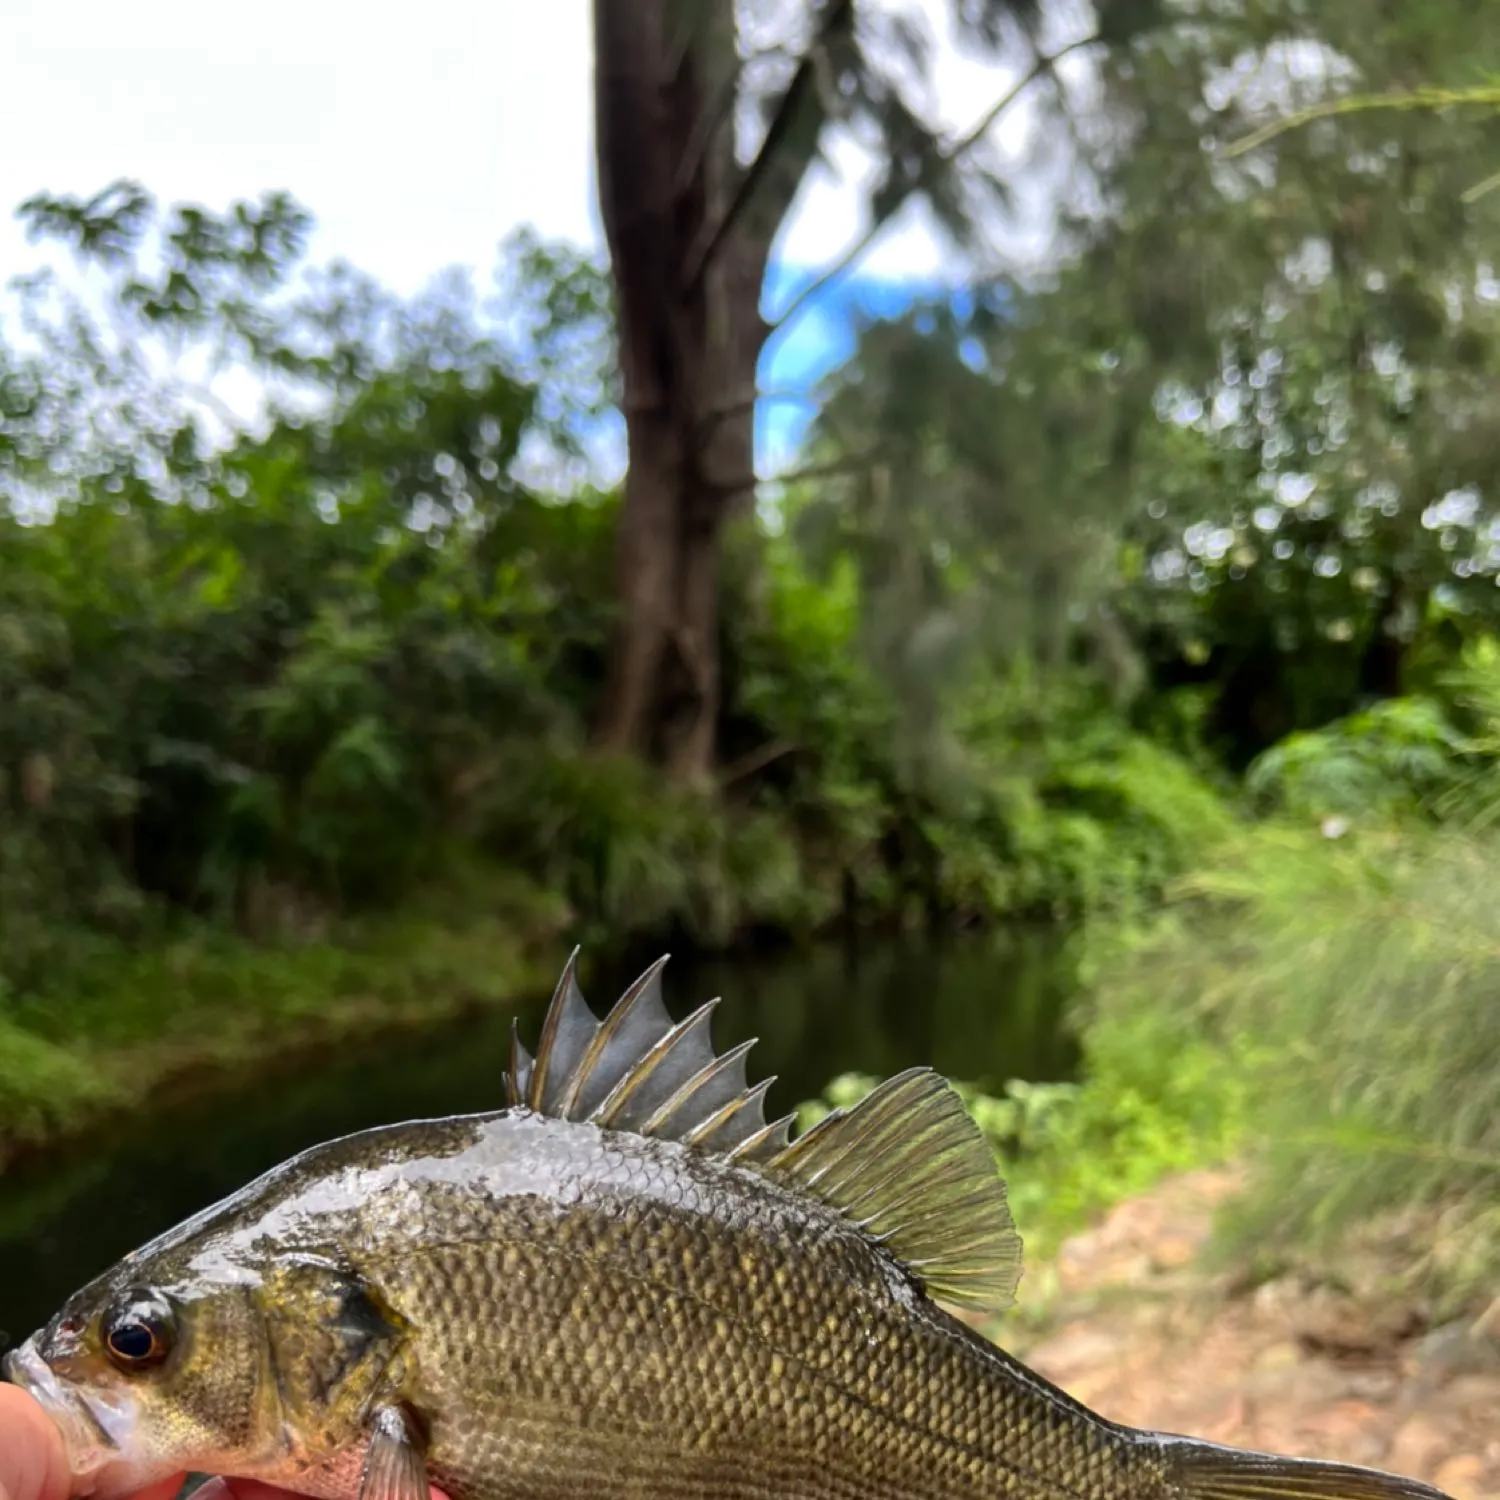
[[624, 1286]]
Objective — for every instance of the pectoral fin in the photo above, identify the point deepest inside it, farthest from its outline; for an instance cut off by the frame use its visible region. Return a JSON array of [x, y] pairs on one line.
[[395, 1465]]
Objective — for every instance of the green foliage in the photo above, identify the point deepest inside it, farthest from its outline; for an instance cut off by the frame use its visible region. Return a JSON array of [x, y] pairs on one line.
[[43, 1087], [1348, 990], [631, 855], [286, 710], [113, 1023], [1393, 758], [1055, 806]]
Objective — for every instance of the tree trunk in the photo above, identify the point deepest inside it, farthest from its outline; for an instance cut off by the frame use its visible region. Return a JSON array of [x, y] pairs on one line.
[[689, 244], [663, 693], [646, 566]]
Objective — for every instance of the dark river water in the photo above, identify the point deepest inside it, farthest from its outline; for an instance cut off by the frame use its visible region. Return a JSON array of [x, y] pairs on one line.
[[979, 1009]]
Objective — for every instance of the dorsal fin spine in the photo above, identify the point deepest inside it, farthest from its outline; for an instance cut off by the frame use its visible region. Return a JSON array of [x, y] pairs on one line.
[[624, 1010], [704, 1076], [653, 1059], [776, 1134], [716, 1123], [518, 1076], [906, 1167], [565, 998]]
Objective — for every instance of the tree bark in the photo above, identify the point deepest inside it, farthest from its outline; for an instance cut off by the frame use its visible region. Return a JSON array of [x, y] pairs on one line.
[[646, 570], [689, 234], [1382, 667]]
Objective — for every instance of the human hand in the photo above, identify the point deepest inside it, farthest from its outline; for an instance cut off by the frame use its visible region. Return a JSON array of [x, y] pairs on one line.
[[34, 1464]]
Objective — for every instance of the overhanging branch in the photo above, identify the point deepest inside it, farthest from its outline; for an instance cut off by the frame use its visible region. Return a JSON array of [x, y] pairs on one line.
[[837, 468], [801, 93], [949, 156]]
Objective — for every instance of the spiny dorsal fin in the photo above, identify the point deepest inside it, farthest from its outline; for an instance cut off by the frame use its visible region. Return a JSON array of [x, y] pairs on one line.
[[636, 1071], [906, 1165]]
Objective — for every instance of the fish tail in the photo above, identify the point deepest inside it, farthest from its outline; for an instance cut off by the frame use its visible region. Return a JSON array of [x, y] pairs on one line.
[[1208, 1471]]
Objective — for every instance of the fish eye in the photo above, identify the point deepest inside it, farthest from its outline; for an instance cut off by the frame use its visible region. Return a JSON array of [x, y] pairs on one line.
[[139, 1330]]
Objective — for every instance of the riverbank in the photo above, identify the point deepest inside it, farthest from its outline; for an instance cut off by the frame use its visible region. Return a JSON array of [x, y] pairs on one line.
[[1129, 1318], [127, 1029], [213, 1016]]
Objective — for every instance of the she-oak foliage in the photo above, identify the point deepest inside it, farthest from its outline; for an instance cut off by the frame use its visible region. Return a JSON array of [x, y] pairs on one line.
[[709, 117]]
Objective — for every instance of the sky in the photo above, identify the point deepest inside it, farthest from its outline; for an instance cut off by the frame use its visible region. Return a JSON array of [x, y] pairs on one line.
[[419, 135]]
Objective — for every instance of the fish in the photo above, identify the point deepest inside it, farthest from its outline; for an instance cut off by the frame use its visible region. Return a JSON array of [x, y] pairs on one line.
[[625, 1284]]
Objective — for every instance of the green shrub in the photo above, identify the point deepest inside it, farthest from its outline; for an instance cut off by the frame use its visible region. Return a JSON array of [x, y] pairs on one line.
[[1393, 758], [1350, 988], [43, 1088]]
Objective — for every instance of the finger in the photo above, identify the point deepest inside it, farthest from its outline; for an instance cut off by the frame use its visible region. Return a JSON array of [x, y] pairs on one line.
[[255, 1489], [163, 1489], [33, 1461]]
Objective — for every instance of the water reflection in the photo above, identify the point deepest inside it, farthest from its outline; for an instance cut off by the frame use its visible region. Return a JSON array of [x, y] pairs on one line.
[[982, 1009]]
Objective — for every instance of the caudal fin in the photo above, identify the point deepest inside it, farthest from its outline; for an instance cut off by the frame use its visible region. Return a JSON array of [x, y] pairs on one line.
[[1207, 1471]]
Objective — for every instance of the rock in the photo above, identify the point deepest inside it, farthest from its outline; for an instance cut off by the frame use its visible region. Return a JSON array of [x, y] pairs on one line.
[[1343, 1325], [1349, 1431], [1419, 1446], [1456, 1349], [1297, 1365], [1096, 1388], [1280, 1356], [1174, 1251], [1478, 1393], [1227, 1423], [1375, 1384], [1464, 1477], [1068, 1354]]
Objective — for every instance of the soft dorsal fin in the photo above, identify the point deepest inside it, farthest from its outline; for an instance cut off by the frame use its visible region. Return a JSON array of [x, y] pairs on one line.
[[906, 1165], [911, 1168]]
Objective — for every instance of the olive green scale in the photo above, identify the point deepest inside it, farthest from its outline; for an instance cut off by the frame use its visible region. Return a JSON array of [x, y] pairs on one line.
[[705, 1339]]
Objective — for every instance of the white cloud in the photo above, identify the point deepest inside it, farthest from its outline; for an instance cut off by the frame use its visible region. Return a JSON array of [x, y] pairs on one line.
[[419, 135]]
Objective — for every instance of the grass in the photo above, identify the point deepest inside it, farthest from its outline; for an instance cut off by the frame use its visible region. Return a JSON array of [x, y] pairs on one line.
[[118, 1026], [1330, 1004], [1368, 982]]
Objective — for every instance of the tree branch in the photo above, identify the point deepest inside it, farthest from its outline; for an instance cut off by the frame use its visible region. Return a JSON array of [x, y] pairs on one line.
[[711, 418], [711, 119], [799, 92], [951, 154], [705, 128], [756, 760], [1040, 68], [838, 468]]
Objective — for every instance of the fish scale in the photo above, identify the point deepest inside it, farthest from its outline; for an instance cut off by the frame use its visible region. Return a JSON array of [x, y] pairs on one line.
[[625, 1286]]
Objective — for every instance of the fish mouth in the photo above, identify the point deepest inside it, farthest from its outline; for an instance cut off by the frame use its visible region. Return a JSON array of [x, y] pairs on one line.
[[93, 1427]]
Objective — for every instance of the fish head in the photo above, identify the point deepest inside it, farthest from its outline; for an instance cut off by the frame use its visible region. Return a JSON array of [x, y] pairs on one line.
[[258, 1374], [146, 1380]]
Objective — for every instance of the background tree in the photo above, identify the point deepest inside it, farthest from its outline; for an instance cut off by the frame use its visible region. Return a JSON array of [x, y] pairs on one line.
[[708, 121]]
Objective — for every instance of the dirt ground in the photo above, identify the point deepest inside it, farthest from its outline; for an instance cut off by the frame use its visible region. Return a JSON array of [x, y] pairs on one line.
[[1141, 1334]]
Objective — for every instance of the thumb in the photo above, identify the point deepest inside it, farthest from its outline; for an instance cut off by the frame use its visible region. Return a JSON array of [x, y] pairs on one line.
[[33, 1461]]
